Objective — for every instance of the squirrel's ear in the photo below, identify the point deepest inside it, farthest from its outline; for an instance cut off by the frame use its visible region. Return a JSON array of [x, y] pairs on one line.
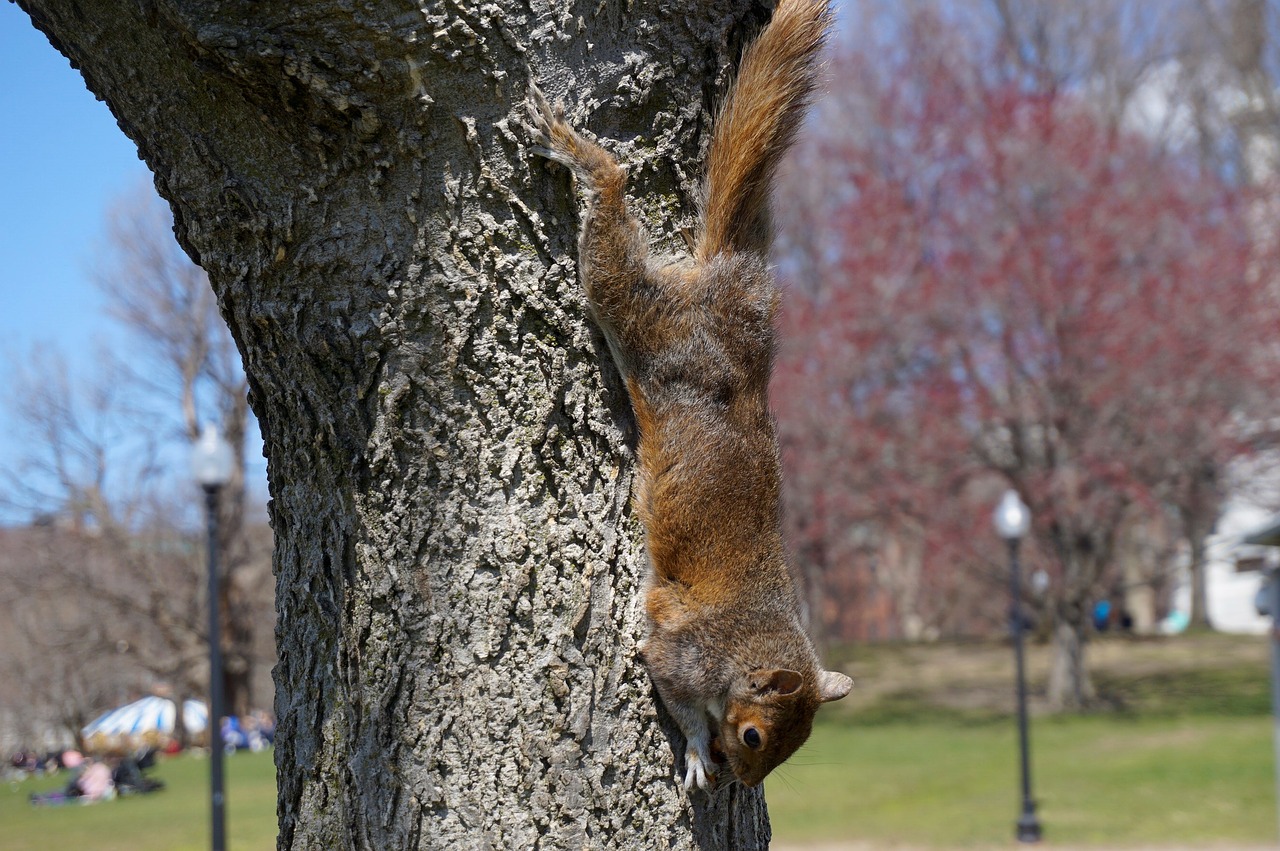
[[779, 681], [833, 685]]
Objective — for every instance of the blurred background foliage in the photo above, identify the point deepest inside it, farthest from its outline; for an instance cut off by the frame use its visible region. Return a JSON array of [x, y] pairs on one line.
[[1025, 244]]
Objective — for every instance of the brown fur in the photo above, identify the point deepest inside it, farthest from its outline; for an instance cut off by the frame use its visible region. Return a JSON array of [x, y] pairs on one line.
[[775, 81], [694, 340]]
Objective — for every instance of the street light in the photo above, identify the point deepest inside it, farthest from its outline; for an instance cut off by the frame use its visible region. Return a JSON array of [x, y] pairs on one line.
[[212, 463], [1013, 521]]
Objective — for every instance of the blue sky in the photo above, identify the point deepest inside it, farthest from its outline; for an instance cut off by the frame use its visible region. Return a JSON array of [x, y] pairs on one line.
[[63, 161]]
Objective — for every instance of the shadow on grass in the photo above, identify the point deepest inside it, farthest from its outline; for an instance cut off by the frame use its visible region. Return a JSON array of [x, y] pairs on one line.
[[1232, 691], [917, 707], [1235, 691]]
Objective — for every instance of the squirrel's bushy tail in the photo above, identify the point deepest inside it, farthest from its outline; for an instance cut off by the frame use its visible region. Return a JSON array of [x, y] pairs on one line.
[[756, 126]]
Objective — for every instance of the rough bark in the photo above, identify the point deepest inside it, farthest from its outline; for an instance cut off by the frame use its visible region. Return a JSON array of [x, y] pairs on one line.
[[457, 568]]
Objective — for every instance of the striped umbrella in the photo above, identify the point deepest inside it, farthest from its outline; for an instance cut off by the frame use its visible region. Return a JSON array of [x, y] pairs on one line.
[[150, 714]]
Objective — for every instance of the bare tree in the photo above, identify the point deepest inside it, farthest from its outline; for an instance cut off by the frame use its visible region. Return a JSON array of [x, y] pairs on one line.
[[113, 567], [1226, 53], [189, 364], [1200, 77], [1107, 49], [456, 566], [54, 652]]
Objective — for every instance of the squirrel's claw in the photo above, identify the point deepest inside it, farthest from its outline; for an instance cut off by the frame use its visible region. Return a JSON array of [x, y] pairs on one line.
[[699, 770], [540, 115], [554, 139], [543, 118], [541, 110]]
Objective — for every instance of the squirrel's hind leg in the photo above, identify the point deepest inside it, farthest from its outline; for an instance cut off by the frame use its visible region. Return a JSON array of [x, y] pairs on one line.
[[613, 251]]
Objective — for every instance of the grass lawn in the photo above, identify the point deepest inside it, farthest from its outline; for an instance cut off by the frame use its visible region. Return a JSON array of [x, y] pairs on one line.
[[923, 754], [1180, 754], [1098, 780], [174, 819]]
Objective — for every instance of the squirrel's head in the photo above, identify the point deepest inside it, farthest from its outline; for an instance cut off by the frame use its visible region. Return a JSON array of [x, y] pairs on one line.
[[769, 715]]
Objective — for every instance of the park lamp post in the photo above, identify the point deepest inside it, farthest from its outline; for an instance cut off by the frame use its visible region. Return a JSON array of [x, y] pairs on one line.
[[1012, 522], [212, 463]]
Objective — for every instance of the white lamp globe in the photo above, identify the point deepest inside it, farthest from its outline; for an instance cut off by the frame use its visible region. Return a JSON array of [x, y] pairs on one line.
[[211, 458], [1012, 518]]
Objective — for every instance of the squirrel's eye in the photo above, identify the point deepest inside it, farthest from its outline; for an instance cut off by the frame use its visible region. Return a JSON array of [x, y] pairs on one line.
[[751, 738]]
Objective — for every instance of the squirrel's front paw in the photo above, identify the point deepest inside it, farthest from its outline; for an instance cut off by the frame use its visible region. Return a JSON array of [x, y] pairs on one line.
[[698, 770]]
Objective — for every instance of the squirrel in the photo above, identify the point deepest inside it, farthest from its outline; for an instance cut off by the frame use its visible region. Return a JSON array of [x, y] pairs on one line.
[[693, 339]]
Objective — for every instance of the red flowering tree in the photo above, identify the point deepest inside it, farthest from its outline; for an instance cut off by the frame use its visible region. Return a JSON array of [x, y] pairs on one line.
[[993, 287]]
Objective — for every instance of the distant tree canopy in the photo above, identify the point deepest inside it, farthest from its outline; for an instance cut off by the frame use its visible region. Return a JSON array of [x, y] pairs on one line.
[[993, 285]]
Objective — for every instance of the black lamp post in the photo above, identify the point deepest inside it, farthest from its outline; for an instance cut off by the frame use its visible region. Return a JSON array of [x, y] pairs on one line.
[[212, 463], [1012, 521]]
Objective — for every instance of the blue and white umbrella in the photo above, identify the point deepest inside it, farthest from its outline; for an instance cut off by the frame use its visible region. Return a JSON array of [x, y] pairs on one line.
[[149, 715]]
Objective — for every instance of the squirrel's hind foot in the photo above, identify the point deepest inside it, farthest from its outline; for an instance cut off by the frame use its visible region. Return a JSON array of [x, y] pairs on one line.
[[544, 119], [555, 139]]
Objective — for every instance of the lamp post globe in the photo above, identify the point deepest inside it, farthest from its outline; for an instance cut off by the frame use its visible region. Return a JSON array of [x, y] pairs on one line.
[[212, 460], [1012, 518]]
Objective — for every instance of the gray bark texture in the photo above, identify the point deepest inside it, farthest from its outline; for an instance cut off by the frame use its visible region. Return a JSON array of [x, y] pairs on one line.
[[458, 572]]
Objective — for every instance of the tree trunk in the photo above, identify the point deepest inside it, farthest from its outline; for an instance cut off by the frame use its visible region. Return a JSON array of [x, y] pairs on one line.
[[1199, 581], [1199, 508], [1070, 686], [457, 568], [1084, 550], [235, 597], [903, 557]]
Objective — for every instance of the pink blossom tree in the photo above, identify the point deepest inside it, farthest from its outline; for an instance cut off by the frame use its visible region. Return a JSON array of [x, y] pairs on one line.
[[993, 286]]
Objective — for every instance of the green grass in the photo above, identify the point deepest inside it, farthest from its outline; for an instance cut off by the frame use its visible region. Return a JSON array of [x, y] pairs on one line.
[[923, 754], [1231, 691], [1100, 780], [1179, 753], [173, 819]]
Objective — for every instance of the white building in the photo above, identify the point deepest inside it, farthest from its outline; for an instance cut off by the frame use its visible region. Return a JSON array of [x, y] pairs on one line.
[[1234, 573]]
